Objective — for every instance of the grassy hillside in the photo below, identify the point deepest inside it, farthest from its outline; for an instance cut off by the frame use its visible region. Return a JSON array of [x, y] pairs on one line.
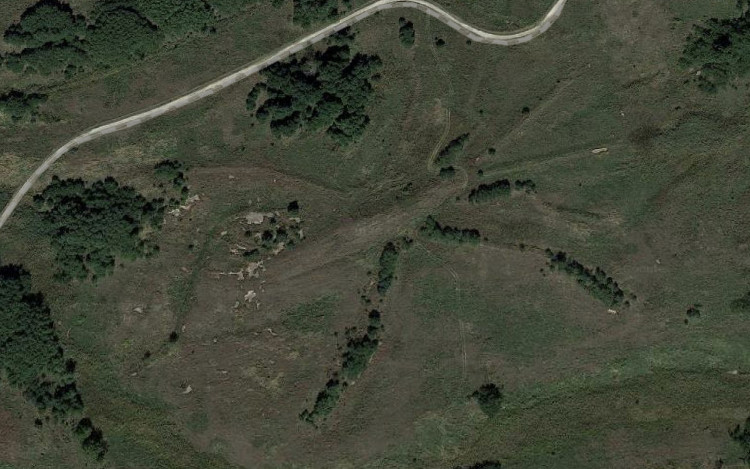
[[255, 302]]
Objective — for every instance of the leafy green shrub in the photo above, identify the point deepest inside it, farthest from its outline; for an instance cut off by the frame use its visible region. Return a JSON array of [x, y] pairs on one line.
[[46, 22], [91, 438], [55, 39], [741, 305], [483, 465], [359, 350], [447, 172], [596, 282], [406, 32], [328, 90], [92, 225], [489, 397], [31, 357], [486, 192], [307, 12], [434, 230], [178, 18], [450, 153], [172, 171], [19, 105], [251, 102], [387, 262], [720, 51], [741, 435], [325, 402], [526, 185]]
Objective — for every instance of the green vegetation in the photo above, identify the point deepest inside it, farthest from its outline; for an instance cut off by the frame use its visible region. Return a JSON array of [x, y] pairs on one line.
[[18, 105], [434, 230], [52, 38], [47, 22], [32, 359], [450, 153], [499, 188], [741, 305], [171, 171], [447, 172], [387, 262], [328, 90], [325, 402], [486, 192], [311, 317], [354, 360], [275, 232], [719, 51], [92, 225], [741, 435], [483, 465], [526, 185], [596, 282], [307, 12], [251, 102], [489, 397], [406, 32]]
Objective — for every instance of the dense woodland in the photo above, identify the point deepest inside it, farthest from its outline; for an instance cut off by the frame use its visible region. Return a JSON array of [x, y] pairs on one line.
[[50, 37], [32, 358], [326, 90], [91, 226]]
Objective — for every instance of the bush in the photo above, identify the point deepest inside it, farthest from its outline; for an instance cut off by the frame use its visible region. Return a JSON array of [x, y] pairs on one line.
[[486, 192], [92, 225], [387, 262], [483, 465], [596, 282], [434, 230], [325, 402], [406, 32], [741, 435], [451, 151], [120, 35], [741, 305], [720, 51], [489, 397], [447, 173], [307, 12], [19, 105]]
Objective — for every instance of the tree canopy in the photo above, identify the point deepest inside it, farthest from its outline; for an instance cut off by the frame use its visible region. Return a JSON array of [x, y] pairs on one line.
[[92, 225]]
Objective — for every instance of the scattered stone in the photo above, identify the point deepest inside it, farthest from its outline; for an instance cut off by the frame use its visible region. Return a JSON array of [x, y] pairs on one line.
[[596, 151]]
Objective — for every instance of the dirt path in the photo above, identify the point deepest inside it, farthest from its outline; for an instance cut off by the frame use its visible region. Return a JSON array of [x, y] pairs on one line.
[[475, 34]]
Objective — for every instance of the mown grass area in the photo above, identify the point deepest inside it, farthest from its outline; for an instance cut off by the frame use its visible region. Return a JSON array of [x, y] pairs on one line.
[[662, 211]]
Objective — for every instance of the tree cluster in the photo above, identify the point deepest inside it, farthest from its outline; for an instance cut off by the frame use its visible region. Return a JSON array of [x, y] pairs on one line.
[[596, 281], [486, 192], [18, 105], [434, 230], [307, 12], [499, 188], [720, 50], [483, 465], [450, 153], [406, 32], [328, 90], [52, 38], [31, 357], [93, 225], [388, 260], [741, 305], [489, 397], [741, 435], [172, 171]]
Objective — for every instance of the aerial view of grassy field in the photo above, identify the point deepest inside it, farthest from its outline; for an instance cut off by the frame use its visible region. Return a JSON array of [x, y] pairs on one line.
[[393, 234]]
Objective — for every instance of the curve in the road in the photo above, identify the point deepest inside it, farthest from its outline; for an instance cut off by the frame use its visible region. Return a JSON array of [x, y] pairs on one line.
[[471, 32]]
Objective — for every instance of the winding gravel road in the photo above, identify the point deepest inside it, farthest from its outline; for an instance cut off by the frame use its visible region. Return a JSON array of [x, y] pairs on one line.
[[475, 34]]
